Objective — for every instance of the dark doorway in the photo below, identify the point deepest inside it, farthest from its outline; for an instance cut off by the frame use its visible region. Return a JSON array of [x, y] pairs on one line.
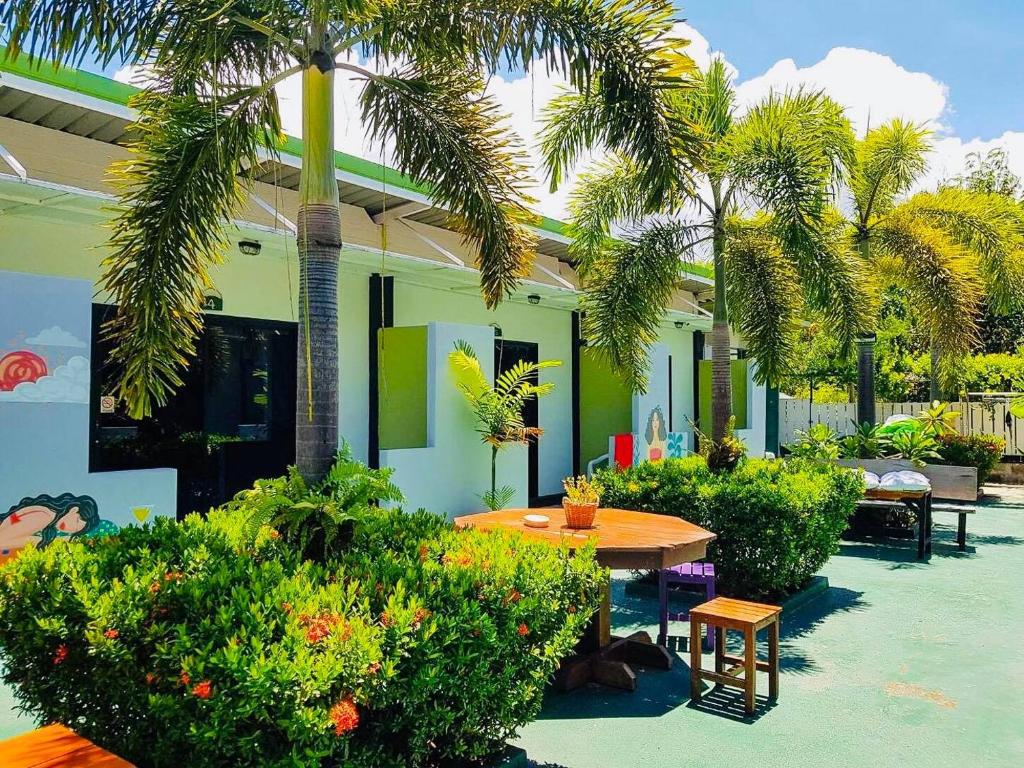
[[507, 354], [231, 422]]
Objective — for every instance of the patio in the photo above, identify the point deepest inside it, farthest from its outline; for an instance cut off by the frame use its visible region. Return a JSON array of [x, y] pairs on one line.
[[921, 657]]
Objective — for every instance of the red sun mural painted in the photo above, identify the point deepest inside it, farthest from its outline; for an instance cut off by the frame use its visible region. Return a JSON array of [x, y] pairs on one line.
[[19, 367]]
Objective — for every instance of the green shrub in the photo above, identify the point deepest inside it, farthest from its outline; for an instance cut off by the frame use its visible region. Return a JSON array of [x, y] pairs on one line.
[[198, 644], [981, 451], [778, 522]]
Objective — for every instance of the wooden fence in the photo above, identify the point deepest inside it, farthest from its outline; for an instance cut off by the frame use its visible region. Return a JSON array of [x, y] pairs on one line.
[[990, 416]]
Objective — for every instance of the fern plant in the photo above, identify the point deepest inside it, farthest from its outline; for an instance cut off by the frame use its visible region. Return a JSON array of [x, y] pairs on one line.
[[499, 409], [317, 518]]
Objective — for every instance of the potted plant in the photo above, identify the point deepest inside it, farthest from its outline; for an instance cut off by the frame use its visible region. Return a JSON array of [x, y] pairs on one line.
[[582, 497]]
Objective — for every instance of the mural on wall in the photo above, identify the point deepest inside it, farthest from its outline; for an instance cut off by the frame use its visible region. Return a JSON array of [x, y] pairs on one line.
[[44, 518], [45, 484], [655, 435]]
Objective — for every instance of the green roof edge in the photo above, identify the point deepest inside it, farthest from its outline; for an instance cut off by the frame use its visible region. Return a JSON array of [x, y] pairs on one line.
[[105, 89]]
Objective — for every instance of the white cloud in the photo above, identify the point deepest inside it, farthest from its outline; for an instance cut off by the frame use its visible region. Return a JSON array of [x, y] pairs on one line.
[[55, 336], [871, 86], [69, 383], [948, 157]]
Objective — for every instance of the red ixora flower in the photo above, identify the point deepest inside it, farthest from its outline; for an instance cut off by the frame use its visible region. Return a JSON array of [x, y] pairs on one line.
[[185, 679], [111, 634], [322, 625], [174, 576], [202, 690], [345, 716], [60, 654], [523, 630], [150, 678]]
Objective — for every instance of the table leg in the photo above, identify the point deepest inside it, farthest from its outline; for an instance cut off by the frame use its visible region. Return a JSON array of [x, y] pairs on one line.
[[961, 531], [922, 525]]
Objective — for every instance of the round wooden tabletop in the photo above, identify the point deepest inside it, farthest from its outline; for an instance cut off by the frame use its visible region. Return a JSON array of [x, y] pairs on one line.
[[623, 538]]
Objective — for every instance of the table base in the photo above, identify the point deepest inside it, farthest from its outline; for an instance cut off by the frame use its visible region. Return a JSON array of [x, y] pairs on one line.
[[610, 665]]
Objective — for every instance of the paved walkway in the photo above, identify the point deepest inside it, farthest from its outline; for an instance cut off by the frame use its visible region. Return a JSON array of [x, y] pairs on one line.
[[899, 664]]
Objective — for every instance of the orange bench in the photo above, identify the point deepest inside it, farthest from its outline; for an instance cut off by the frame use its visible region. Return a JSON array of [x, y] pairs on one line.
[[56, 747]]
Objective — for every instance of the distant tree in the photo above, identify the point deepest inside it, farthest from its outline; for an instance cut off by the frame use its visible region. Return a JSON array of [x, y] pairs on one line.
[[990, 173]]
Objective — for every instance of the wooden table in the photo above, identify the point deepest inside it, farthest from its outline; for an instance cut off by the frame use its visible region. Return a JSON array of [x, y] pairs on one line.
[[56, 747], [918, 502], [623, 539]]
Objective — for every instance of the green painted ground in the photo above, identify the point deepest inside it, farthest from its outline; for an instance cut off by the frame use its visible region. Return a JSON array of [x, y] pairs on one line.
[[899, 664]]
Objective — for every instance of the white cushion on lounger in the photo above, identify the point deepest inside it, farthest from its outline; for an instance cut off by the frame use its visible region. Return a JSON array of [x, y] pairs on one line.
[[871, 480], [905, 480]]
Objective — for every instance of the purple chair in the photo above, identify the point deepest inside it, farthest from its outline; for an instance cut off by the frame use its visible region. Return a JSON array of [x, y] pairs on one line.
[[701, 574]]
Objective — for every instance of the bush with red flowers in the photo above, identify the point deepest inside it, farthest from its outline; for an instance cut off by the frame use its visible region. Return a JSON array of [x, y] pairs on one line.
[[208, 643]]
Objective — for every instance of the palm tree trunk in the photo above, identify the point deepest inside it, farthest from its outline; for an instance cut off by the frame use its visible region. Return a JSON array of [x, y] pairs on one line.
[[865, 356], [319, 247], [934, 386], [721, 365]]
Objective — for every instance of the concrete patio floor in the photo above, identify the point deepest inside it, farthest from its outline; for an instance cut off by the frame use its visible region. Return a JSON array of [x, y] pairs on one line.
[[899, 664]]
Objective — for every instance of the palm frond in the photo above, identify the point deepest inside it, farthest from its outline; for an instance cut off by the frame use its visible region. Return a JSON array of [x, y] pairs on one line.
[[888, 160], [941, 280], [628, 289], [447, 134], [65, 32], [989, 226], [610, 193], [788, 153], [620, 53], [175, 194], [764, 296]]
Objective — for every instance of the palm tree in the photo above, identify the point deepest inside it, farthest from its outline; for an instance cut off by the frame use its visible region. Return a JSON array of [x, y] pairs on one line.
[[209, 118], [948, 249], [499, 409], [782, 158]]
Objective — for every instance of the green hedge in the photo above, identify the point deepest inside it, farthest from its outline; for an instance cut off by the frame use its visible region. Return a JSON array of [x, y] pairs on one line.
[[778, 522], [195, 644], [981, 451]]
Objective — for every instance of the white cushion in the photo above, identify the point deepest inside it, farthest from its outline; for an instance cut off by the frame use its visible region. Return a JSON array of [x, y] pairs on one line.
[[871, 480], [905, 480]]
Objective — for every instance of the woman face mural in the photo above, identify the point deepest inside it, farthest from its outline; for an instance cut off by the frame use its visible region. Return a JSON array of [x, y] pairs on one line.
[[41, 519]]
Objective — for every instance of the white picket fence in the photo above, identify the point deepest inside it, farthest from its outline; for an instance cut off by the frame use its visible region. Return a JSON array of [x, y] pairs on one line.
[[992, 417]]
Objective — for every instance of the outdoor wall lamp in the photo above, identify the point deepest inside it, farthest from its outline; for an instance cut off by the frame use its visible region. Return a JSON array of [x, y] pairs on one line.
[[680, 324], [533, 298], [250, 247]]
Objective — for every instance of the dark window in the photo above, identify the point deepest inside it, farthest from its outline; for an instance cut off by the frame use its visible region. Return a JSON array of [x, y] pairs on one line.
[[231, 422]]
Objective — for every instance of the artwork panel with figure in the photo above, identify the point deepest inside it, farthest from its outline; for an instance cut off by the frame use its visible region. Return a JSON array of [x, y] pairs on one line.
[[43, 519], [655, 436]]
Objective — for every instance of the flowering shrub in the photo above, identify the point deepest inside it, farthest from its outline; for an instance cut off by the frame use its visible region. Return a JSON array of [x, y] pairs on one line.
[[202, 644], [777, 521], [981, 451]]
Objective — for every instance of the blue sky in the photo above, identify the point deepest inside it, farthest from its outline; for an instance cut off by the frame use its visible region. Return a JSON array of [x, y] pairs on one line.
[[975, 47]]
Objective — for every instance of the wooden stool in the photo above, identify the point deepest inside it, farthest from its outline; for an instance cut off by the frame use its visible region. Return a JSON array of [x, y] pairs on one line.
[[724, 613]]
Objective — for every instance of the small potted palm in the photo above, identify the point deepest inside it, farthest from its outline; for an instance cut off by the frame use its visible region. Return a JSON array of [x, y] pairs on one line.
[[580, 502]]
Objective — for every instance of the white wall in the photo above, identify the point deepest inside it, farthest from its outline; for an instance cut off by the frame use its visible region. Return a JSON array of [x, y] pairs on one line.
[[548, 327], [450, 474]]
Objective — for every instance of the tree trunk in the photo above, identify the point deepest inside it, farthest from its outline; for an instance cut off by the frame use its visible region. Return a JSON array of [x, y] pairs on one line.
[[935, 385], [319, 247], [865, 357], [721, 364]]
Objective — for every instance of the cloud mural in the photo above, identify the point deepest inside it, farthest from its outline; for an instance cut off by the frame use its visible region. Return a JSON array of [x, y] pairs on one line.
[[55, 336], [68, 383]]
